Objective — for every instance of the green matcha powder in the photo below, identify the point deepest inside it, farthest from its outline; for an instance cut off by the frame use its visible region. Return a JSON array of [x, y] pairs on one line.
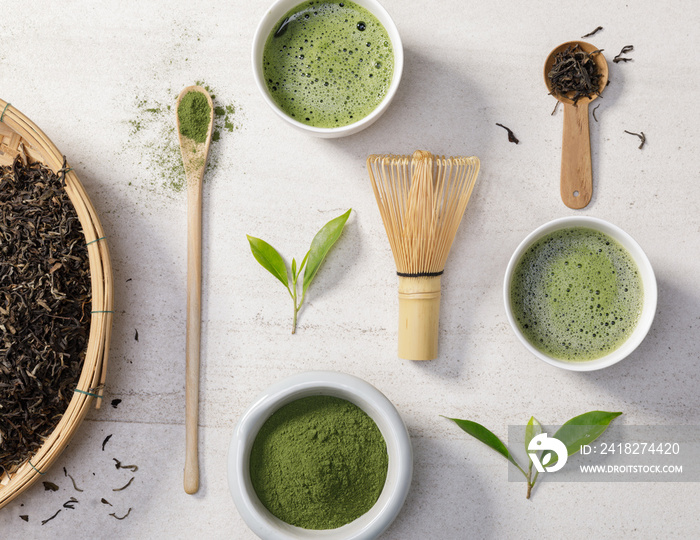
[[194, 113], [319, 462]]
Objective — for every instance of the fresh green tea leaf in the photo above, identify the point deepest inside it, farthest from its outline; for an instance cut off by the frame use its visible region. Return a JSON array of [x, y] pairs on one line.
[[303, 262], [487, 437], [321, 245], [532, 430], [269, 259], [272, 261], [582, 429]]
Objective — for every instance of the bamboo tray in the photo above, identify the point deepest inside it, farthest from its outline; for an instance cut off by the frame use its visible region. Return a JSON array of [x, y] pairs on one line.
[[20, 136]]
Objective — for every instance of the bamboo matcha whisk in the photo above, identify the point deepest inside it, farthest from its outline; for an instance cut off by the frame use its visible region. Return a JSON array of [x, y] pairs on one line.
[[421, 199]]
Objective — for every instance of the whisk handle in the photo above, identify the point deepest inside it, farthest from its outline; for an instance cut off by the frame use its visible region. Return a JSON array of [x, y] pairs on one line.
[[419, 315]]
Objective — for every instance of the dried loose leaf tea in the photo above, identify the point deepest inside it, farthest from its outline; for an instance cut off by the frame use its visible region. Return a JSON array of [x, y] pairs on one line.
[[511, 136], [575, 74], [107, 438], [589, 34], [114, 515], [118, 465], [625, 50], [641, 136], [126, 486], [45, 301], [44, 522]]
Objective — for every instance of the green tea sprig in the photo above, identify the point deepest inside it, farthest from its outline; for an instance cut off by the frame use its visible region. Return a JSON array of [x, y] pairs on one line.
[[272, 261], [582, 429]]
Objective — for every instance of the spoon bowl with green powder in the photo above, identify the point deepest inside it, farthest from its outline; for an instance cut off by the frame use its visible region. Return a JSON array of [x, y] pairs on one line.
[[320, 455], [329, 68]]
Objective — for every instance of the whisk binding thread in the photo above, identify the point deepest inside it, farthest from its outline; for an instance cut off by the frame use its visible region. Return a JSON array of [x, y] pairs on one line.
[[420, 274]]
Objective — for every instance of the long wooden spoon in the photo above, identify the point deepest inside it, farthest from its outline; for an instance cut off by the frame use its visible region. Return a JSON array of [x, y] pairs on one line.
[[576, 170], [194, 158]]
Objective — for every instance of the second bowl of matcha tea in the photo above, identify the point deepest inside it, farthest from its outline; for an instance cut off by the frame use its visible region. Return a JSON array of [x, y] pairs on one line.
[[580, 293], [328, 67]]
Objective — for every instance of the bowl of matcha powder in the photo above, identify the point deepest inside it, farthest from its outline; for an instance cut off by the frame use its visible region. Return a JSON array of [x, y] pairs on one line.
[[320, 455]]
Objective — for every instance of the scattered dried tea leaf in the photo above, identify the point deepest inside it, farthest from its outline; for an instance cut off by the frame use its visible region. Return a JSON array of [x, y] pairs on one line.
[[50, 486], [25, 517], [625, 50], [118, 465], [126, 486], [123, 517], [641, 136], [594, 109], [589, 34], [49, 519], [116, 402], [105, 501], [136, 335], [511, 136], [107, 438], [75, 487], [71, 503]]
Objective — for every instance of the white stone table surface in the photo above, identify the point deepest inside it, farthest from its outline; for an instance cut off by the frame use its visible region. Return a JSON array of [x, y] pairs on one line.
[[97, 77]]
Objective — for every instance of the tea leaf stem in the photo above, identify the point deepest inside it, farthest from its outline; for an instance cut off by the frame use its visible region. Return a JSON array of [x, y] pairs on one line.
[[531, 483], [296, 310], [297, 307]]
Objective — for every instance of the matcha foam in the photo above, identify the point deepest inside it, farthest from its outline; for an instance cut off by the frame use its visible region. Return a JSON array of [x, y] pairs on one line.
[[328, 64], [576, 294]]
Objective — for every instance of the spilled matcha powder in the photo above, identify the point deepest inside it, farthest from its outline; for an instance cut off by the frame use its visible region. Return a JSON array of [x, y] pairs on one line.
[[193, 113], [153, 131], [319, 462]]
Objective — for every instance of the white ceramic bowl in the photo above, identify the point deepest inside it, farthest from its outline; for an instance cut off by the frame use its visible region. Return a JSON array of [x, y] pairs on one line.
[[648, 285], [362, 394], [269, 22]]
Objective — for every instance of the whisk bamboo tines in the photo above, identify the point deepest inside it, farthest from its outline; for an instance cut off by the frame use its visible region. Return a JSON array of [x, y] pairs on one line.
[[421, 199]]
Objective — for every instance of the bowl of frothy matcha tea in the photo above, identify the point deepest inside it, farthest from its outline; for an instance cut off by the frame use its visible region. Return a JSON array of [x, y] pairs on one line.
[[580, 293], [328, 67]]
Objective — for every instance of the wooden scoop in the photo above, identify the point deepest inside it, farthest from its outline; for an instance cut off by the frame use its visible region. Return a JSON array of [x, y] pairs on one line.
[[576, 170], [194, 158]]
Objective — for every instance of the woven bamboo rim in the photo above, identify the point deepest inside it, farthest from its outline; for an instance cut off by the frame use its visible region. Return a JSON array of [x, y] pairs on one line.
[[19, 136]]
